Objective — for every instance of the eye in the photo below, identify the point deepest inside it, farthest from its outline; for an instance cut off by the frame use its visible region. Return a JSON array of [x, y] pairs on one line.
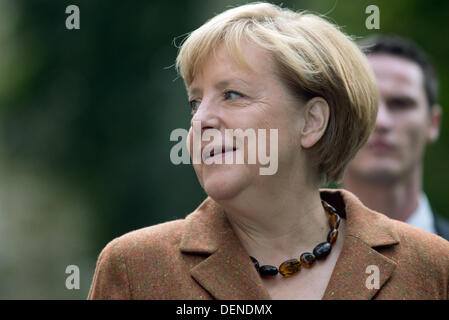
[[231, 95], [401, 103], [194, 105]]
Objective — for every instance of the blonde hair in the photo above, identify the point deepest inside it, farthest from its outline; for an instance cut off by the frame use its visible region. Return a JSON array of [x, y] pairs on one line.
[[313, 58]]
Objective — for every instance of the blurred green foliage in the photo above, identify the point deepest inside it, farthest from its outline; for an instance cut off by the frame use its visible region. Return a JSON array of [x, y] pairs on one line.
[[88, 114]]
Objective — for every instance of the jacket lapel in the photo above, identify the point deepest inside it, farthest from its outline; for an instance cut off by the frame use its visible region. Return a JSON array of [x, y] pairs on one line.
[[350, 276], [367, 234], [227, 272]]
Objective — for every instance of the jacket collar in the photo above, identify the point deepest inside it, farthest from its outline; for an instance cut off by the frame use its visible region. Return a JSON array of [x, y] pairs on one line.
[[228, 273], [208, 232]]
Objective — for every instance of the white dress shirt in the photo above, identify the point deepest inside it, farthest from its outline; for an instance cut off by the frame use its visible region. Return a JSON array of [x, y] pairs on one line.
[[423, 216]]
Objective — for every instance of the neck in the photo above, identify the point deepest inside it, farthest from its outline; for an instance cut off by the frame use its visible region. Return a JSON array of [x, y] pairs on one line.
[[274, 226], [396, 199]]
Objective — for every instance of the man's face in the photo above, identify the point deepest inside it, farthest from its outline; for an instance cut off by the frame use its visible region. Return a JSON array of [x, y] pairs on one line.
[[404, 122]]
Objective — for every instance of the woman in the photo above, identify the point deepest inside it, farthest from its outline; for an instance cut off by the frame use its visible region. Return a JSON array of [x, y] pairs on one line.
[[276, 236]]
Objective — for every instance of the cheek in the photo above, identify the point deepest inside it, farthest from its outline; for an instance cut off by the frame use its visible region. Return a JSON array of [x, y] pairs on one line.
[[289, 134], [279, 138], [415, 136]]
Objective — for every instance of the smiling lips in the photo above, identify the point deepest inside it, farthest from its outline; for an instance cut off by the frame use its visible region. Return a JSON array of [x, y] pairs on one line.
[[222, 152]]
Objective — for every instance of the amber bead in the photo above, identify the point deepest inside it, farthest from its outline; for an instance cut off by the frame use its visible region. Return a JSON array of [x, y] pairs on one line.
[[255, 262], [268, 270], [290, 267], [334, 221], [322, 250], [307, 259], [329, 209], [332, 236]]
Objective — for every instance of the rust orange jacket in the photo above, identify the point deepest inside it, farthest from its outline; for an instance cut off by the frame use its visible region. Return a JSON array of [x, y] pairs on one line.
[[200, 257]]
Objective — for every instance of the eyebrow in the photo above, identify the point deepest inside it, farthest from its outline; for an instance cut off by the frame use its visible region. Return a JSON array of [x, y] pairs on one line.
[[219, 85]]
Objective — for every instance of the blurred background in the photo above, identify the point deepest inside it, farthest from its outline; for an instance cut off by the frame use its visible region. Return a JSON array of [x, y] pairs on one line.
[[86, 116]]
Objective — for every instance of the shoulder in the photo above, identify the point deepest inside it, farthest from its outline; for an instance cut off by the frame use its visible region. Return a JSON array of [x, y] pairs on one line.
[[160, 237], [134, 253], [421, 242], [422, 260], [412, 249], [147, 263]]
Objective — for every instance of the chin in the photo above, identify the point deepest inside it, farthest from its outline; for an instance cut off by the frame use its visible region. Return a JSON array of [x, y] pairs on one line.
[[224, 183], [384, 175]]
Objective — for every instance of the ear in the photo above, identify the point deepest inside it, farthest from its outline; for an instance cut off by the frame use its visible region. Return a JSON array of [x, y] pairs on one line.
[[316, 118], [433, 130]]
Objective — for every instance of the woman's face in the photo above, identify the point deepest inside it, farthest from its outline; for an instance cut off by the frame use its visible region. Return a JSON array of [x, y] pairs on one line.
[[226, 95]]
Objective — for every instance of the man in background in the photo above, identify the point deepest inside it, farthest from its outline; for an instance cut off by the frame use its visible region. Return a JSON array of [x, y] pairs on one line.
[[386, 174]]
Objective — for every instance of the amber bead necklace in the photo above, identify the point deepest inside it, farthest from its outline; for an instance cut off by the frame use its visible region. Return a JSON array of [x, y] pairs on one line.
[[307, 259]]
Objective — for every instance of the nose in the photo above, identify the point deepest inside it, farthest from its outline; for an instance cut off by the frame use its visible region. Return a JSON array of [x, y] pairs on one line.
[[384, 120], [208, 115]]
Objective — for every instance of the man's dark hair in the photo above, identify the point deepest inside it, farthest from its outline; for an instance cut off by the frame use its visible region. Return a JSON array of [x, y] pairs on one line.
[[404, 48]]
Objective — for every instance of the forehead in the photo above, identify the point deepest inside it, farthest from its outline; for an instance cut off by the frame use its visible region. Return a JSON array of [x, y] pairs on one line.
[[252, 63], [396, 74]]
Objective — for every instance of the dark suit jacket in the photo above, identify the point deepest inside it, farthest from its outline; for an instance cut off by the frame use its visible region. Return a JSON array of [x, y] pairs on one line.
[[200, 257], [441, 226]]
